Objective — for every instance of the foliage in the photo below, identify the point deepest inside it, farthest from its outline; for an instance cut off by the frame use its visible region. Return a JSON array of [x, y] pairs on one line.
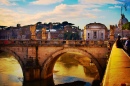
[[126, 26], [71, 36], [56, 25]]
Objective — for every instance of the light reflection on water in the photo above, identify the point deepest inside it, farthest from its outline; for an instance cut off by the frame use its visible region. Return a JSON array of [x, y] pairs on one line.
[[11, 73], [73, 73]]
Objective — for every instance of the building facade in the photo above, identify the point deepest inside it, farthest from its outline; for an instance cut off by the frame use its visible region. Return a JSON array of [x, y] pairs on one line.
[[41, 31], [95, 31]]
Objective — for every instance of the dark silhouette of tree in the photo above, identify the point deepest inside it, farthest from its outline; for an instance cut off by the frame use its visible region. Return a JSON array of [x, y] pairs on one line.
[[75, 36], [2, 27], [57, 25], [71, 36], [39, 25], [66, 23]]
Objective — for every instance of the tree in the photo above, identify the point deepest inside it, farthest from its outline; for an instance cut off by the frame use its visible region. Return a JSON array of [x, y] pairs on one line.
[[66, 23], [126, 26], [68, 36], [71, 36], [39, 25]]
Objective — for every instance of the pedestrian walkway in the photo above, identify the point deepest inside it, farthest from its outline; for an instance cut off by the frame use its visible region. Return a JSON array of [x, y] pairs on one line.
[[118, 69]]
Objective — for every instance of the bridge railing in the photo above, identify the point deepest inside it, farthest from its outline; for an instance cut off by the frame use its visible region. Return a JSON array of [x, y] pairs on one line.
[[118, 68], [52, 42]]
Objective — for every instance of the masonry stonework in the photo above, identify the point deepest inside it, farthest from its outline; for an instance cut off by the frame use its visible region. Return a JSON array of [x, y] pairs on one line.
[[37, 61]]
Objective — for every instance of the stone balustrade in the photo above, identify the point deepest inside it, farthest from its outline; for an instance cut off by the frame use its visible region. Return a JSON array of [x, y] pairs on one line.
[[53, 43], [118, 69]]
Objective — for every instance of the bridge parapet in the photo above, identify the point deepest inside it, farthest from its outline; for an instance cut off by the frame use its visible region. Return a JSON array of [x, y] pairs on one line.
[[53, 43], [118, 68]]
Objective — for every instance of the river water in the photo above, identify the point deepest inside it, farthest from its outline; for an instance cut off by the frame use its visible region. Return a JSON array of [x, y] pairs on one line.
[[64, 72]]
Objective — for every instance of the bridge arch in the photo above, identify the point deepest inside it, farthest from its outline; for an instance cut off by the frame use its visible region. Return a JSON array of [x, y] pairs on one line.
[[17, 57], [48, 65]]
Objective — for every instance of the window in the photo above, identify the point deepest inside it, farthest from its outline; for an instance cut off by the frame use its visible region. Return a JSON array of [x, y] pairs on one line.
[[94, 34], [88, 35], [101, 35]]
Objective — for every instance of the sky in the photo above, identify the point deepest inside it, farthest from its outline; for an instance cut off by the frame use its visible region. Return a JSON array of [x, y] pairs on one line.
[[78, 12]]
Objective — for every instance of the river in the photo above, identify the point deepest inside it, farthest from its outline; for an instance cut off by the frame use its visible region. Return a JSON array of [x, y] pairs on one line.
[[64, 72]]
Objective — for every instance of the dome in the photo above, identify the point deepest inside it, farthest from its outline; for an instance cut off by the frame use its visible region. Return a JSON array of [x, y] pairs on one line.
[[123, 20]]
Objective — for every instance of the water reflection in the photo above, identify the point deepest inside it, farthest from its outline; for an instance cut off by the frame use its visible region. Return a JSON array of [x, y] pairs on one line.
[[10, 72], [70, 68], [73, 73]]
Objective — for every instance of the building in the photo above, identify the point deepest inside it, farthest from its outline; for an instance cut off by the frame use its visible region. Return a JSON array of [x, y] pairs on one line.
[[16, 33], [122, 21], [95, 31], [39, 31], [118, 29]]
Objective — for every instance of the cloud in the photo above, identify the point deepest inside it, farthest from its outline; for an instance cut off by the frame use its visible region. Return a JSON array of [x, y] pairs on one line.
[[59, 13], [10, 17], [5, 2], [98, 1], [75, 8], [73, 11], [96, 10], [8, 2], [46, 2], [115, 6]]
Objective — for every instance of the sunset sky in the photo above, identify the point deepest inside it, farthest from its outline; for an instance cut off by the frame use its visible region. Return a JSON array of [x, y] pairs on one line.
[[78, 12]]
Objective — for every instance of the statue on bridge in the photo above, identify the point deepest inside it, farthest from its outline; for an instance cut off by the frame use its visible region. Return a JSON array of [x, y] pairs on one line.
[[33, 31], [44, 33], [112, 30]]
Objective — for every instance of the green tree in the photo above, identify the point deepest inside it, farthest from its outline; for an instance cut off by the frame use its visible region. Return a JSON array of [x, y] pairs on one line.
[[75, 36], [71, 36], [67, 35], [66, 23], [126, 26]]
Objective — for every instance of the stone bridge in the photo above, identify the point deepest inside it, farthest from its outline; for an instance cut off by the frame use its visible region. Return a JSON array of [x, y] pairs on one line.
[[37, 57]]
